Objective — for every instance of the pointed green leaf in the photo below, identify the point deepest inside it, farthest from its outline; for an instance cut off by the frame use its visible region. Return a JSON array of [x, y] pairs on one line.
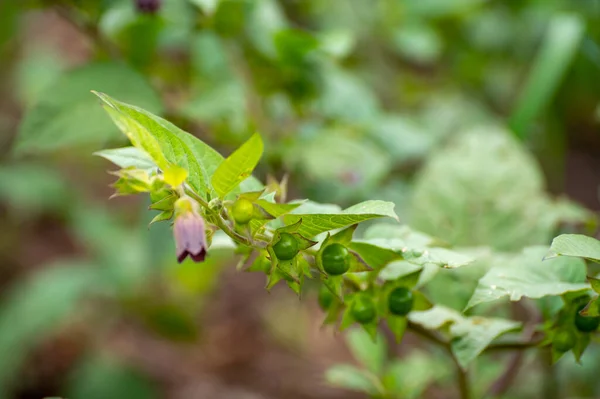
[[471, 335], [526, 274], [66, 115], [238, 166], [316, 223], [595, 283], [127, 157], [575, 245], [374, 256], [165, 143]]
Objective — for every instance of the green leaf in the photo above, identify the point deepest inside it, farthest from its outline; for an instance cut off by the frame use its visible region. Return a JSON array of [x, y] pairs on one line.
[[66, 115], [349, 377], [34, 308], [398, 269], [238, 166], [21, 185], [370, 353], [441, 257], [526, 274], [128, 157], [165, 143], [471, 335], [374, 256], [560, 45], [313, 224], [595, 283], [575, 245], [484, 189]]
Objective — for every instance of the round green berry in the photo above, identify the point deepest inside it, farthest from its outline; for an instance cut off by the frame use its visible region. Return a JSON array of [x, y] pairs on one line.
[[400, 301], [363, 309], [335, 259], [286, 248], [242, 211]]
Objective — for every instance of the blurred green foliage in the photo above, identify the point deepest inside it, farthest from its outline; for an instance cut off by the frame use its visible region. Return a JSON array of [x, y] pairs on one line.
[[432, 104]]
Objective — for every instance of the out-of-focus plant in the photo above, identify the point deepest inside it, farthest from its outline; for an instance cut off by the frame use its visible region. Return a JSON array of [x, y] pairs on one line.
[[401, 100]]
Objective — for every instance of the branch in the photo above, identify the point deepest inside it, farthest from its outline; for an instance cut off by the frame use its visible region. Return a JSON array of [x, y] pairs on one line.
[[503, 383], [461, 374]]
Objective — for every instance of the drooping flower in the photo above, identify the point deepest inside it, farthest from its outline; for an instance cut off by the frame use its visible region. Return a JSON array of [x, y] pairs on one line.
[[189, 231]]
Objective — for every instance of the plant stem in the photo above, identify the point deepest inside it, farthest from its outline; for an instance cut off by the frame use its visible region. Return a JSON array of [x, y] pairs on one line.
[[461, 374], [463, 379]]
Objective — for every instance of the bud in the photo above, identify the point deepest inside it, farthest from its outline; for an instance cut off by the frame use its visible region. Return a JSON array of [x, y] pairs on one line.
[[188, 230], [147, 6], [131, 181]]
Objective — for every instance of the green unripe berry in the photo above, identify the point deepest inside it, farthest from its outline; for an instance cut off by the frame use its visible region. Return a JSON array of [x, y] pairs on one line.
[[363, 309], [242, 211], [564, 340], [335, 259], [400, 301], [586, 324], [325, 298], [286, 248]]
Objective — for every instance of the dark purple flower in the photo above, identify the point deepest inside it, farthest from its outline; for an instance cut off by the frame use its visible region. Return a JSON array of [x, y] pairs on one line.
[[147, 6], [188, 229]]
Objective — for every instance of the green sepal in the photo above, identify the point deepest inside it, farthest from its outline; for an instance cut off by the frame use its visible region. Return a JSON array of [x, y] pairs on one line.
[[556, 355], [344, 236], [397, 325], [375, 256], [371, 329], [131, 181], [303, 243], [333, 313], [260, 264], [164, 204], [335, 285], [297, 286], [259, 213], [251, 196], [591, 309], [420, 301], [304, 267], [583, 340], [164, 215], [357, 264], [291, 228], [273, 278], [595, 283]]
